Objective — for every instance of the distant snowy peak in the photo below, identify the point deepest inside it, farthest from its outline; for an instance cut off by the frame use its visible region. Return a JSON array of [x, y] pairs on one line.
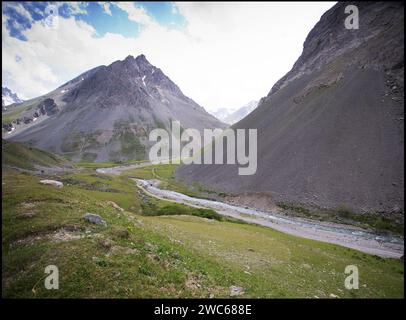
[[232, 116], [222, 113], [8, 97]]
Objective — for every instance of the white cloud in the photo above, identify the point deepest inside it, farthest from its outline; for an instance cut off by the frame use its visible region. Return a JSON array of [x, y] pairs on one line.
[[174, 8], [76, 7], [136, 14], [20, 10], [55, 55], [229, 54], [106, 7]]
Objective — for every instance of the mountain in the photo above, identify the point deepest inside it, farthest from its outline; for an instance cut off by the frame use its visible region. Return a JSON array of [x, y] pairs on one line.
[[8, 97], [330, 132], [232, 116], [222, 113], [240, 113], [107, 113]]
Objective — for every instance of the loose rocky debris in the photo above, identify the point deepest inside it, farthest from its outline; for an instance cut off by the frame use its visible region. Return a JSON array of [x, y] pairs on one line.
[[106, 243], [176, 241], [150, 247], [113, 249], [94, 218], [236, 291], [121, 249], [28, 205], [115, 206], [27, 215], [29, 240], [60, 235], [153, 257], [55, 183], [192, 282], [66, 235]]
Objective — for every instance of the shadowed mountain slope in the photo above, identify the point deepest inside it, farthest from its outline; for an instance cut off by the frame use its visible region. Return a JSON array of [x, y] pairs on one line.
[[330, 132]]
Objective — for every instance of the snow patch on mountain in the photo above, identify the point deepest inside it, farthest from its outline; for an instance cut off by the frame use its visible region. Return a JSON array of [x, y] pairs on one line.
[[233, 115], [8, 97]]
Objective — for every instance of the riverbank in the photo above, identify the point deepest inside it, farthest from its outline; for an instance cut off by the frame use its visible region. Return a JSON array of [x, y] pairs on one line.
[[347, 236]]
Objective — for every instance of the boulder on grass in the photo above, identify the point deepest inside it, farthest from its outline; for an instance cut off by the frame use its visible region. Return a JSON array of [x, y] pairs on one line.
[[236, 291], [94, 218], [55, 183]]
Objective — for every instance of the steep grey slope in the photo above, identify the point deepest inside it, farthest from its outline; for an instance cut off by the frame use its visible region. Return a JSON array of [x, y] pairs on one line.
[[330, 132], [33, 111], [107, 113]]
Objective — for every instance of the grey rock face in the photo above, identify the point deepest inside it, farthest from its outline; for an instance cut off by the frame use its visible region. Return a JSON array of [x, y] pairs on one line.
[[94, 218], [48, 107], [329, 132], [377, 44], [8, 126]]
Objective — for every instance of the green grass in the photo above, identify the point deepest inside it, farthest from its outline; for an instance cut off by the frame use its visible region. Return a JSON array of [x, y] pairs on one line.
[[165, 173], [107, 164], [16, 111], [156, 207], [21, 156], [343, 214], [146, 256]]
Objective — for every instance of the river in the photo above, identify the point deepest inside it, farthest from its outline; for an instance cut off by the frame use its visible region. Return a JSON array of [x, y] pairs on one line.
[[387, 246]]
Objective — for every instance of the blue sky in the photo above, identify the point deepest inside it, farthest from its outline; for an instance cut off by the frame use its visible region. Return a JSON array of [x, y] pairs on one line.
[[221, 54], [92, 13]]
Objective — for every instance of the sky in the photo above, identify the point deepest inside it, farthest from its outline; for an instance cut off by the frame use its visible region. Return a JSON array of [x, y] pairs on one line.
[[220, 54]]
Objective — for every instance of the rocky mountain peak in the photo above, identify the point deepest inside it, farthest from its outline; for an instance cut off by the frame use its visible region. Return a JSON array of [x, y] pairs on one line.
[[378, 40], [141, 71], [141, 59], [129, 59], [107, 112]]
